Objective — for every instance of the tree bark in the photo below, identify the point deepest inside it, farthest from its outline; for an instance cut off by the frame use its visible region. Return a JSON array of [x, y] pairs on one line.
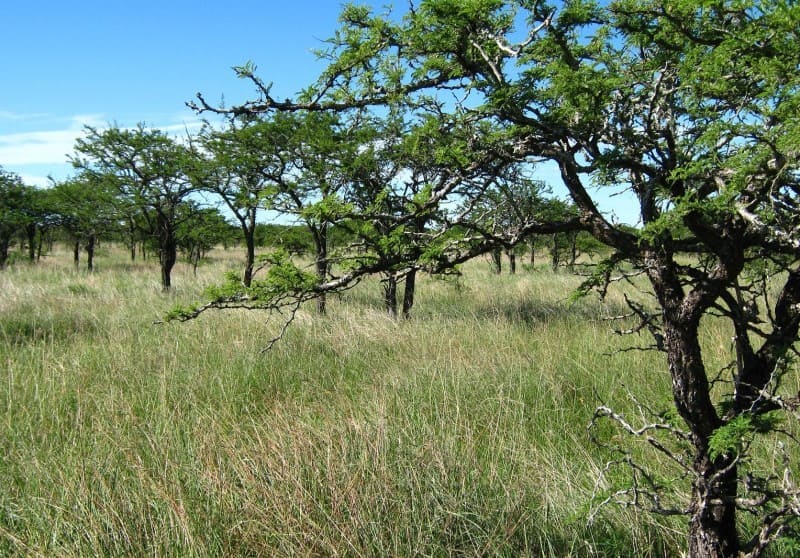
[[40, 246], [408, 293], [712, 510], [250, 257], [30, 230], [76, 254], [90, 243], [390, 294], [573, 251], [4, 243], [554, 252], [532, 246], [168, 251], [512, 261], [497, 261]]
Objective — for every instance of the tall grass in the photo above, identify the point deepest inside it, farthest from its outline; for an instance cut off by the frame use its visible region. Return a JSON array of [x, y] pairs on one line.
[[461, 432]]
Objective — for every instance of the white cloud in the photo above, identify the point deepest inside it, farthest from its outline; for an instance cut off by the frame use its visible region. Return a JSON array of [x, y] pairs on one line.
[[8, 115], [53, 146], [35, 180], [31, 148]]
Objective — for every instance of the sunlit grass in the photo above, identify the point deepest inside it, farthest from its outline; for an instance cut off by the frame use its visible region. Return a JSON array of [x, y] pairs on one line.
[[459, 432]]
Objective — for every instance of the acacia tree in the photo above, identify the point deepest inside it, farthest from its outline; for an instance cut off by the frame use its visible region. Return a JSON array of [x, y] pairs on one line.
[[244, 164], [14, 210], [199, 233], [511, 203], [149, 168], [85, 208], [397, 166], [692, 107], [310, 184]]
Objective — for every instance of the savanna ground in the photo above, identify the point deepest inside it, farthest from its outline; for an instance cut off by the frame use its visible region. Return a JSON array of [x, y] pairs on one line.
[[462, 432]]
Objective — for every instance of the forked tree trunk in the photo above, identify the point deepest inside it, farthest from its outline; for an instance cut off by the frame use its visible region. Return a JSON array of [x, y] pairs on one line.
[[712, 510]]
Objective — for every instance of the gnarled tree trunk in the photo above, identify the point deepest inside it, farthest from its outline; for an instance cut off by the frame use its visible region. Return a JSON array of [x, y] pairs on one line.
[[712, 510]]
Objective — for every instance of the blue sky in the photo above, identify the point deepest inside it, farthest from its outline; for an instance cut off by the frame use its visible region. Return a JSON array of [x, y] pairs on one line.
[[66, 65], [69, 64]]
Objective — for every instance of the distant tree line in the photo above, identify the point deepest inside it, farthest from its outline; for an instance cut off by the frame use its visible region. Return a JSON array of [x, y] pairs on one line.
[[294, 182]]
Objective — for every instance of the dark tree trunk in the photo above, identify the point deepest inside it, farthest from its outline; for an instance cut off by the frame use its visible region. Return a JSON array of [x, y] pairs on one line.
[[408, 293], [756, 368], [712, 519], [512, 261], [573, 251], [532, 253], [712, 510], [76, 254], [555, 256], [90, 243], [250, 258], [39, 246], [168, 251], [4, 243], [195, 255], [497, 261], [390, 294], [30, 230]]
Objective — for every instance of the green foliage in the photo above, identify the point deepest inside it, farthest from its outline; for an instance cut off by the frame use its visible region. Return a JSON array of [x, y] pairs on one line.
[[730, 439], [283, 278], [181, 312]]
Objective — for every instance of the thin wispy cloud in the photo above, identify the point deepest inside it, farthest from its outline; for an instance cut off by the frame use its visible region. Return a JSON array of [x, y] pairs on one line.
[[17, 116], [55, 145], [37, 148]]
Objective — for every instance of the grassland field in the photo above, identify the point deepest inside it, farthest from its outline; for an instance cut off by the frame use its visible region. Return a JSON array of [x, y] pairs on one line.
[[460, 432]]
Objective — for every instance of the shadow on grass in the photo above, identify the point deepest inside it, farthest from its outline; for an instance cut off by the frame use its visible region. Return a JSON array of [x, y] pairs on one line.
[[25, 326], [533, 312]]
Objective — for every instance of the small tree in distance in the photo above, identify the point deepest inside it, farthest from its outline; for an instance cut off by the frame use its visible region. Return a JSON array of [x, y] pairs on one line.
[[14, 211], [85, 208], [244, 164], [149, 170]]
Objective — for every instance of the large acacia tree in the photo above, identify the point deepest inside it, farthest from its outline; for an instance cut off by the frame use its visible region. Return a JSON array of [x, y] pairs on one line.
[[151, 173], [690, 106]]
